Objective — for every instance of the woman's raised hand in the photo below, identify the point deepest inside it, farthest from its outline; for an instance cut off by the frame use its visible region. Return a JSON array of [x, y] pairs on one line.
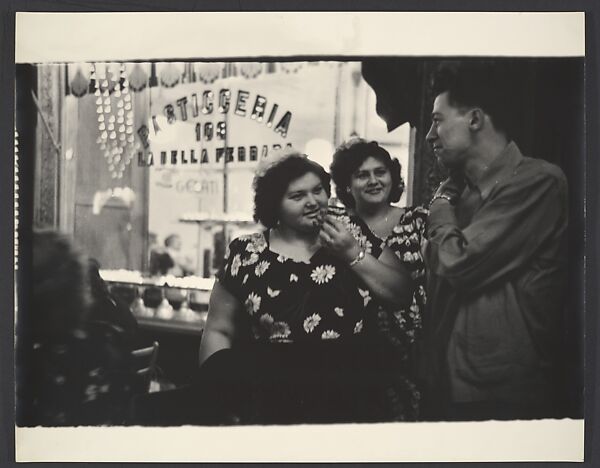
[[338, 239]]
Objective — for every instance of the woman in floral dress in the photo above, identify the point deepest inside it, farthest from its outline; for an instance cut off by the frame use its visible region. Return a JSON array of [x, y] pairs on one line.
[[367, 181], [285, 333]]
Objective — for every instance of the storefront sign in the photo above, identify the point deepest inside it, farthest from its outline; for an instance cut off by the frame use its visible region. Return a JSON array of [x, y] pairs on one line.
[[229, 154], [191, 107]]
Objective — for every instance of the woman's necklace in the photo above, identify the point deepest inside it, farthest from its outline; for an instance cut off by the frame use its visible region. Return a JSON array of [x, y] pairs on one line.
[[381, 225]]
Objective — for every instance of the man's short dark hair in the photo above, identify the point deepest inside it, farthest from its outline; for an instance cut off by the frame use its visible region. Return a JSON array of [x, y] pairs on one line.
[[270, 188], [350, 156], [487, 85]]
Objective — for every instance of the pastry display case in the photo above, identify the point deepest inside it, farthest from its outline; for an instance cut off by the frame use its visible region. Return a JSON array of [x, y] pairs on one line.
[[164, 303]]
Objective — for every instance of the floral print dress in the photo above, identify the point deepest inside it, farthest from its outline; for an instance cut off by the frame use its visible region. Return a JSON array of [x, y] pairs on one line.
[[399, 329], [291, 301], [308, 356]]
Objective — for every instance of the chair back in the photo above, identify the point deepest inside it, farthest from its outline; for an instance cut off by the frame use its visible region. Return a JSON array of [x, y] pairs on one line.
[[144, 362]]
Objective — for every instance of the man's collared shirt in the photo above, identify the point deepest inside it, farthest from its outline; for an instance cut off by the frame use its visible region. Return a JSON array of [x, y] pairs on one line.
[[496, 264]]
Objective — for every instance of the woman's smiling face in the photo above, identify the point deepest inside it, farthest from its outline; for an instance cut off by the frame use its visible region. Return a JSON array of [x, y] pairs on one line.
[[371, 183], [304, 204]]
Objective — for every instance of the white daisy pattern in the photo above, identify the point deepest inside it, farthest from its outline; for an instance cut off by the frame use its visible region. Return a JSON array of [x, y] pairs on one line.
[[253, 303], [280, 331], [330, 335], [261, 268], [339, 311], [293, 278], [277, 331], [272, 292], [310, 323], [236, 263], [323, 274], [251, 260], [365, 295], [245, 278], [257, 244], [358, 327], [267, 321]]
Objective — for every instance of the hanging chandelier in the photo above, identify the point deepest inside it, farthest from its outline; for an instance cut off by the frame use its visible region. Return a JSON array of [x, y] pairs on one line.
[[114, 111]]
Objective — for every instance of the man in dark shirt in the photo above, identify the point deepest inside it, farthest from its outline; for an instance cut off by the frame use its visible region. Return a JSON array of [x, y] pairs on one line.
[[496, 261]]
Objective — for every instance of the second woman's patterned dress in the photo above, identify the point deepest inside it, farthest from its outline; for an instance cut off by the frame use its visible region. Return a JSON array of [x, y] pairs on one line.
[[399, 329]]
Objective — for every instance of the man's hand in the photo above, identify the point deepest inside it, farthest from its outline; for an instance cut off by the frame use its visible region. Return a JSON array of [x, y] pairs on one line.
[[336, 238], [452, 187]]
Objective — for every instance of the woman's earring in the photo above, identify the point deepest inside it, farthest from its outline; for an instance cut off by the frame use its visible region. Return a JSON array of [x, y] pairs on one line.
[[347, 189]]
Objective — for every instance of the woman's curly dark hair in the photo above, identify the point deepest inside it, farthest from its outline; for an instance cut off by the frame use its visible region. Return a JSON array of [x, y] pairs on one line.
[[349, 156], [272, 185]]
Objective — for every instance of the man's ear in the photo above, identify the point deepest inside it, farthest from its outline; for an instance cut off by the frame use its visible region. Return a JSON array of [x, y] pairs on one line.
[[476, 119]]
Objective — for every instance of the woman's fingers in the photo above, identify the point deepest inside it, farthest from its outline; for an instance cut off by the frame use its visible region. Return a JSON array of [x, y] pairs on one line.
[[329, 229], [337, 229], [325, 238], [335, 223]]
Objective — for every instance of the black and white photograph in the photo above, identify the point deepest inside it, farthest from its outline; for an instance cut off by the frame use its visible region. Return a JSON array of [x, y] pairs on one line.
[[249, 226]]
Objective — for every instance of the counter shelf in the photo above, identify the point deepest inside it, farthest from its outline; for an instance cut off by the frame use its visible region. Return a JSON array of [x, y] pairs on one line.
[[164, 305]]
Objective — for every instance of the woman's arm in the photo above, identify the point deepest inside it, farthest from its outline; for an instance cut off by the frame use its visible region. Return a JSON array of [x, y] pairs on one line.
[[221, 324], [385, 276]]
